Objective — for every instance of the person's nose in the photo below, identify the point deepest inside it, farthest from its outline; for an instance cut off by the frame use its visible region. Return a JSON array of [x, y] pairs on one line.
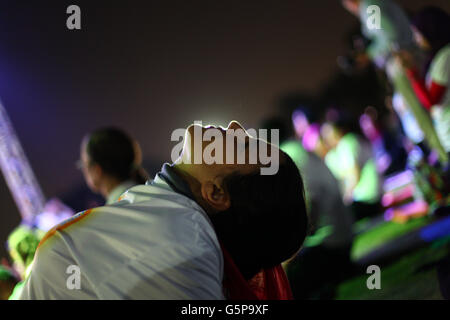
[[235, 125]]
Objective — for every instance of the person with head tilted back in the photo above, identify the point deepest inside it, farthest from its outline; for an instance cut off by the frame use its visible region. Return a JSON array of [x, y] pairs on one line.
[[197, 231]]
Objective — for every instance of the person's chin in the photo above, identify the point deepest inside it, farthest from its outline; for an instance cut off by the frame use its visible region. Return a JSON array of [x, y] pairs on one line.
[[188, 147], [191, 127]]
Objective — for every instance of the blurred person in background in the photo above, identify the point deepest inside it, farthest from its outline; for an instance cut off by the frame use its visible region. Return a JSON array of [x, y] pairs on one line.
[[111, 163], [431, 83], [389, 154], [394, 28], [330, 236], [301, 123], [22, 245], [305, 129], [351, 161], [395, 35]]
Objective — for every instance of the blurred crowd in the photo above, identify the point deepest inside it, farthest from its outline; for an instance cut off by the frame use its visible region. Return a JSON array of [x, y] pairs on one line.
[[388, 159]]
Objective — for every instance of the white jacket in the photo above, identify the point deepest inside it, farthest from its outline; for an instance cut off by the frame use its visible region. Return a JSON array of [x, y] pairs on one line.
[[154, 243]]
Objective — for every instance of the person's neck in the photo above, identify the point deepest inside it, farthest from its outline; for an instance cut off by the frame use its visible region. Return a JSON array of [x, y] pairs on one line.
[[194, 185], [181, 170], [108, 186]]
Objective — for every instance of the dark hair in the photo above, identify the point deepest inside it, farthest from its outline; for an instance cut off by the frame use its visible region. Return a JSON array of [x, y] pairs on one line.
[[113, 150], [434, 24], [267, 221], [277, 123], [343, 119]]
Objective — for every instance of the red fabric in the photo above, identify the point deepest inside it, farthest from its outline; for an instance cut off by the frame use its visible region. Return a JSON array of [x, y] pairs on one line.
[[269, 284], [427, 96]]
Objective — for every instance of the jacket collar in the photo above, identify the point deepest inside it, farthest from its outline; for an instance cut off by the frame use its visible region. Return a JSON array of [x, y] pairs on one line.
[[175, 182], [117, 191]]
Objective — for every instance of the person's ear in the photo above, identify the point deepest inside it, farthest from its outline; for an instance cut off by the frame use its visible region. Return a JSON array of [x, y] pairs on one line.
[[215, 195], [137, 153], [96, 173]]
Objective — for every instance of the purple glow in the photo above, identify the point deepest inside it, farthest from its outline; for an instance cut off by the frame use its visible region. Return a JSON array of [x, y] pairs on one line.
[[311, 137]]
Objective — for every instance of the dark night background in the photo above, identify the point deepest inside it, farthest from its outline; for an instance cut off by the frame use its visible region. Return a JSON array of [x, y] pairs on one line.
[[151, 67]]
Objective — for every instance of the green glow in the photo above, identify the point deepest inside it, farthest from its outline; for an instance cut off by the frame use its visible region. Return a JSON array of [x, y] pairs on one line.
[[5, 274], [378, 236], [318, 237], [17, 290], [22, 243], [295, 150], [343, 163], [367, 188]]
